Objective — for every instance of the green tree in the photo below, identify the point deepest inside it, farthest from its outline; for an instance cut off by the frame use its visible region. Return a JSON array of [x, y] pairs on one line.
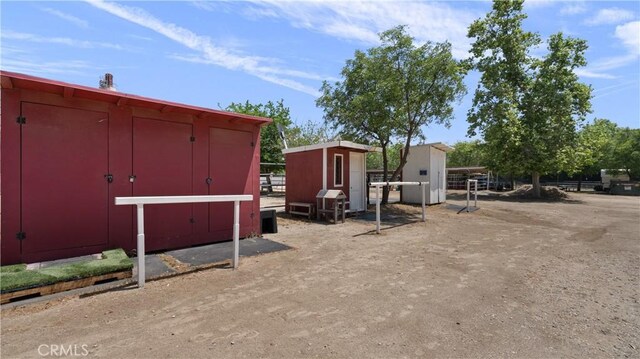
[[467, 154], [625, 152], [595, 145], [391, 91], [374, 159], [308, 133], [526, 108], [270, 142]]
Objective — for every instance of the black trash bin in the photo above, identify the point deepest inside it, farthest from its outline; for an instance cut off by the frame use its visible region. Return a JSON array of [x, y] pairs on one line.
[[268, 221]]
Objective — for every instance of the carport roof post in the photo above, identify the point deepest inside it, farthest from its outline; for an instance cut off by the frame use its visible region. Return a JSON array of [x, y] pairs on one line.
[[16, 80]]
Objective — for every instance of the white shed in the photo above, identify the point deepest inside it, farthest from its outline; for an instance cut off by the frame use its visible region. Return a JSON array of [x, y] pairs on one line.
[[426, 162]]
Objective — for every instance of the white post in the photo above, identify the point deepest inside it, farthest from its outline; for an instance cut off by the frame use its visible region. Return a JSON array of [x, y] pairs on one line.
[[476, 195], [378, 209], [236, 233], [468, 190], [324, 175], [140, 250], [424, 215]]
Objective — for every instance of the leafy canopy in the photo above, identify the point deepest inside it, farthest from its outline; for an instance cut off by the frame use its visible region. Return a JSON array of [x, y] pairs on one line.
[[391, 91], [467, 154], [270, 142], [527, 109]]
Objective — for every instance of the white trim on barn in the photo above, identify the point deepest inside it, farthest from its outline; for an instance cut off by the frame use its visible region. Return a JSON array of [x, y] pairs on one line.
[[336, 172]]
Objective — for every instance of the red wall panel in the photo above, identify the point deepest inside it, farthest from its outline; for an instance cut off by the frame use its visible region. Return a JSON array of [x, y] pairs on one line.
[[10, 176], [64, 190], [231, 172], [162, 164], [121, 231], [303, 176]]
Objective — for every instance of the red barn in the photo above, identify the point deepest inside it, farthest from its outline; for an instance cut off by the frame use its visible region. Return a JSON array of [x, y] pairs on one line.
[[68, 150], [332, 165]]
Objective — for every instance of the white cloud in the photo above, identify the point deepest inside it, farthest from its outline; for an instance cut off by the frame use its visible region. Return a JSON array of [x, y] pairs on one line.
[[30, 66], [208, 52], [70, 18], [593, 74], [538, 3], [610, 16], [629, 35], [11, 35], [574, 8], [362, 21]]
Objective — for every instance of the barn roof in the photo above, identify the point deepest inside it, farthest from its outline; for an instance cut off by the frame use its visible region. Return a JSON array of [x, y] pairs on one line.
[[17, 80], [340, 144]]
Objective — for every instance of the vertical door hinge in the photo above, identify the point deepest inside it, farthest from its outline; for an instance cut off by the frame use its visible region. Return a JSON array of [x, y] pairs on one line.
[[21, 120], [252, 144], [192, 220], [21, 235], [193, 139], [252, 214]]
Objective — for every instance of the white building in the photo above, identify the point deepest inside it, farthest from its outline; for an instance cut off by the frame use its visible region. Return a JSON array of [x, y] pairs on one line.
[[426, 162]]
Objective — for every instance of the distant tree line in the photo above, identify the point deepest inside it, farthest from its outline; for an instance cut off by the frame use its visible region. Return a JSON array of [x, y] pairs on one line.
[[600, 144]]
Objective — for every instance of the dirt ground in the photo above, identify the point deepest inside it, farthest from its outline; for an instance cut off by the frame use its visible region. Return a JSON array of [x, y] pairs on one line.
[[513, 279]]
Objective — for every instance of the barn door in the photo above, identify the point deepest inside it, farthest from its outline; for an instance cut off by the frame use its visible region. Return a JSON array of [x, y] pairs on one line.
[[162, 166], [64, 199], [230, 159]]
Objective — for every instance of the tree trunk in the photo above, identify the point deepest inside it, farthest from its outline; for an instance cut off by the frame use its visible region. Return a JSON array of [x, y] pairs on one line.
[[535, 179], [579, 183], [385, 177]]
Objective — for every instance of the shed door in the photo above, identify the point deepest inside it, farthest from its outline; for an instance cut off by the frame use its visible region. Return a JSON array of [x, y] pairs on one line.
[[230, 159], [356, 181], [64, 190], [162, 164]]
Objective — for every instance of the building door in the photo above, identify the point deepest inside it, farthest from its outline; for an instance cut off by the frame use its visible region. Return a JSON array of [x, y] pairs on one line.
[[163, 166], [230, 170], [356, 181], [64, 191]]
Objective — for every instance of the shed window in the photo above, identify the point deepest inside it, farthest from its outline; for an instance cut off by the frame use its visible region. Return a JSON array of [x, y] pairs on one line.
[[337, 170]]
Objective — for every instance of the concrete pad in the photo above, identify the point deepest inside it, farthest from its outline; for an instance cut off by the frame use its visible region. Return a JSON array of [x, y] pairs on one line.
[[219, 252], [154, 267]]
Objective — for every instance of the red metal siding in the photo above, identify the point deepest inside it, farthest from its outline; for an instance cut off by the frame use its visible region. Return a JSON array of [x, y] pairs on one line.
[[140, 141], [303, 176]]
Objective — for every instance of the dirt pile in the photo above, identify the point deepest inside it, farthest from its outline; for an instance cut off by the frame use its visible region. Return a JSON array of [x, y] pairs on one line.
[[549, 193]]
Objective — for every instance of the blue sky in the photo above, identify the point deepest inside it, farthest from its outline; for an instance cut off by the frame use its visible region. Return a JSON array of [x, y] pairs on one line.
[[213, 53]]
